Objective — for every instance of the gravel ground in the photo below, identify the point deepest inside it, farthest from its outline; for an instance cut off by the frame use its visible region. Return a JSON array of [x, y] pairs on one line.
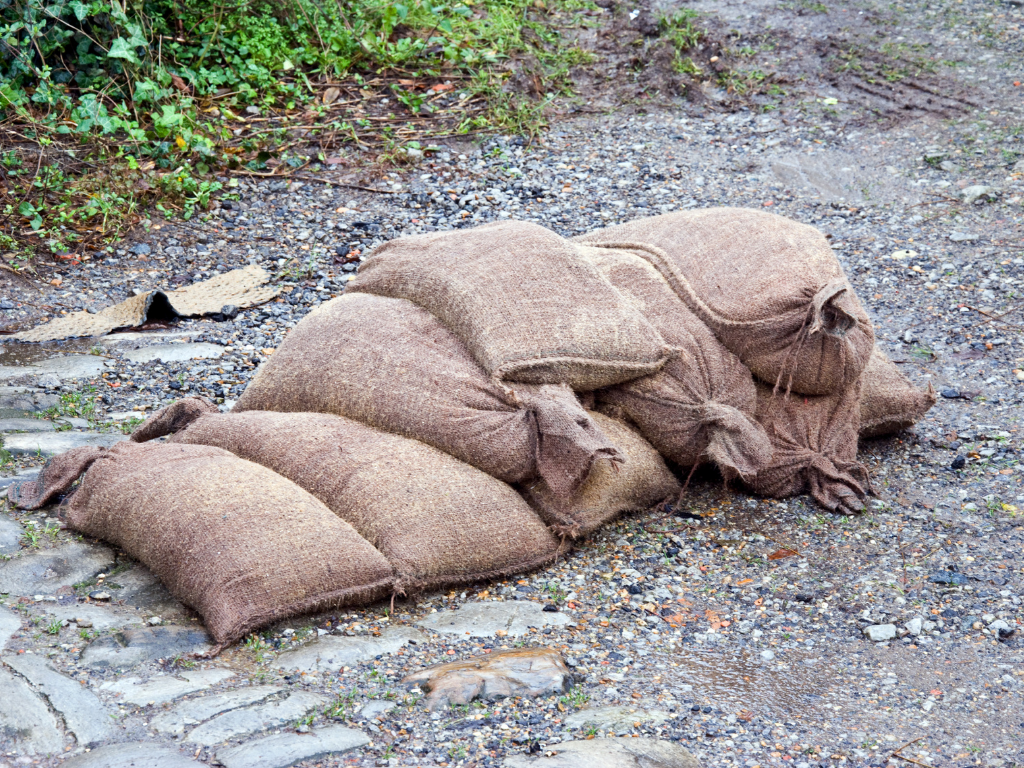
[[744, 658]]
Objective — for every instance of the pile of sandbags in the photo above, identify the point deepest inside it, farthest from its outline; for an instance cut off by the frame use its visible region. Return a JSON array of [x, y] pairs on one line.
[[479, 399]]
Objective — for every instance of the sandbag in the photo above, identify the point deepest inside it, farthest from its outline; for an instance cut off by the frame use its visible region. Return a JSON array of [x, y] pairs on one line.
[[890, 402], [392, 365], [524, 303], [700, 406], [639, 483], [237, 542], [814, 442], [437, 520], [769, 288]]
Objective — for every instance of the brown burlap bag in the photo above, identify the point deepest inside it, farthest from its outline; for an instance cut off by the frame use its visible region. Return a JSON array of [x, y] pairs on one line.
[[769, 288], [815, 448], [437, 520], [889, 401], [390, 364], [237, 542], [638, 484], [700, 406], [524, 303]]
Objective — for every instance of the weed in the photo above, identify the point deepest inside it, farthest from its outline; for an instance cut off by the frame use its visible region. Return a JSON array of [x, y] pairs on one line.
[[127, 426], [257, 645], [54, 627], [79, 405], [31, 538], [555, 592], [343, 706], [457, 751], [6, 459], [576, 698]]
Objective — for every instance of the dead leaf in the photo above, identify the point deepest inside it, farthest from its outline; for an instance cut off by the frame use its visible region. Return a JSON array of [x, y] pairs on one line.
[[781, 553], [180, 84], [441, 87], [330, 95]]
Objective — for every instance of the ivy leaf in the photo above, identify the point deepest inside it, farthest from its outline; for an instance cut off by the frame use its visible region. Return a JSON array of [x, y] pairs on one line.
[[121, 49], [80, 9]]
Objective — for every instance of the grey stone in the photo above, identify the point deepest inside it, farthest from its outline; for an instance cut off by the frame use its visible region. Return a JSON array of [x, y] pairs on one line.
[[27, 724], [977, 192], [949, 166], [173, 353], [196, 711], [331, 653], [608, 753], [47, 571], [878, 633], [26, 425], [915, 625], [243, 722], [94, 616], [135, 336], [616, 719], [374, 709], [10, 534], [962, 237], [52, 443], [160, 690], [135, 754], [284, 749], [136, 646], [486, 619], [140, 588], [10, 622], [83, 712], [69, 367]]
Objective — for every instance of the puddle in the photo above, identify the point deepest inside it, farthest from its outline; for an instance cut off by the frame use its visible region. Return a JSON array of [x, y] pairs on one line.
[[14, 353], [746, 681]]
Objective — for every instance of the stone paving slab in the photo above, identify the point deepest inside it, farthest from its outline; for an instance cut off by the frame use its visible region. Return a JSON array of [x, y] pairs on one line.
[[285, 749], [83, 712], [52, 443], [10, 534], [68, 367], [608, 753], [196, 711], [174, 353], [10, 622], [27, 723], [100, 618], [26, 425], [161, 690], [616, 719], [48, 570], [136, 646], [329, 654], [244, 722], [486, 619], [131, 755]]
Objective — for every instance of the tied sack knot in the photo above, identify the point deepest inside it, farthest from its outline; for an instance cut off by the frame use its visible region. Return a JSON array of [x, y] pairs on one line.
[[568, 440], [736, 443], [836, 486], [826, 314]]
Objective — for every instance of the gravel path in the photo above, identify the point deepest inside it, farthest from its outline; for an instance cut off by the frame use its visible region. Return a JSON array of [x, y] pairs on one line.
[[898, 628]]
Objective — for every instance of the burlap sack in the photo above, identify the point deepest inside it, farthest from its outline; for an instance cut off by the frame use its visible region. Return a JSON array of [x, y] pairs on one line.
[[390, 364], [638, 484], [237, 542], [769, 288], [815, 448], [519, 297], [700, 406], [889, 402], [437, 520]]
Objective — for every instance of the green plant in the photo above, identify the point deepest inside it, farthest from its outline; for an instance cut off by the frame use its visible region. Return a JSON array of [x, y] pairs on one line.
[[342, 706], [127, 426], [81, 405], [457, 751], [576, 698], [31, 537], [54, 627]]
